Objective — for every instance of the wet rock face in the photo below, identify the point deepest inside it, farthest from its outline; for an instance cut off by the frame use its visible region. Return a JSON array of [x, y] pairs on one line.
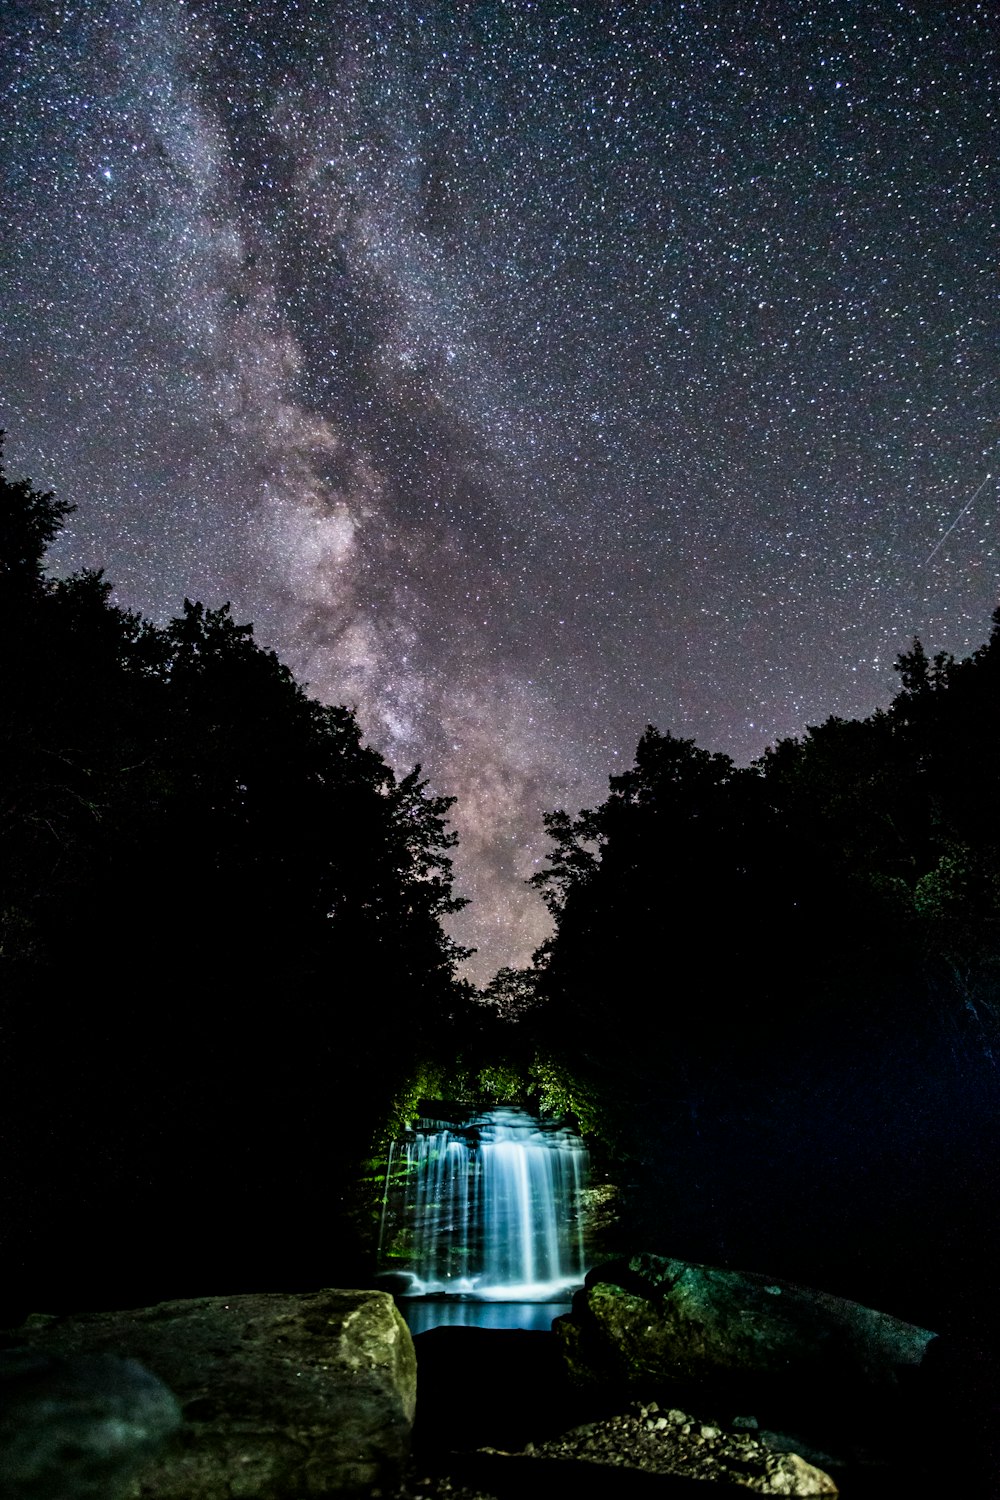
[[281, 1395], [652, 1321]]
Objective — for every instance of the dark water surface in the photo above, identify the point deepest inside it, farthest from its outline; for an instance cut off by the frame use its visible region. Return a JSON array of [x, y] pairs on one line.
[[423, 1313]]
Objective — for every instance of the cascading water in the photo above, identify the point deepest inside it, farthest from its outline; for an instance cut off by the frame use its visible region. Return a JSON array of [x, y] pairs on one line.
[[488, 1211]]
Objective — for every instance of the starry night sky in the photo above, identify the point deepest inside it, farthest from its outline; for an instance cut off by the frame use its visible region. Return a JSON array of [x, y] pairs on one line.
[[527, 372]]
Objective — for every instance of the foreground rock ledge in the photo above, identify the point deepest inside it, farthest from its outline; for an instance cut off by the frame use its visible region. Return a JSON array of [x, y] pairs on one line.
[[652, 1323], [653, 1316], [281, 1395]]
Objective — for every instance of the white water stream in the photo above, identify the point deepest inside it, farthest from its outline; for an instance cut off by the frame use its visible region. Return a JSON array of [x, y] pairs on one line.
[[487, 1211]]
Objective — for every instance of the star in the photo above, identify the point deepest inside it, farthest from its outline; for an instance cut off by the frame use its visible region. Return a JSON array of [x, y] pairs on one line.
[[526, 376]]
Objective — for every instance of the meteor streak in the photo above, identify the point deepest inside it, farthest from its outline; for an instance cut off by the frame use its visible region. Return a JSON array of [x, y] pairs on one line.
[[964, 511]]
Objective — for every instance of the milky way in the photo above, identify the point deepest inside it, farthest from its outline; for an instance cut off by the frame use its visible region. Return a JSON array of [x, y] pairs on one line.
[[526, 372]]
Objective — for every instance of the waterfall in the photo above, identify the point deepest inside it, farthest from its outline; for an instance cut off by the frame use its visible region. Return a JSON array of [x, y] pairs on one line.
[[490, 1209]]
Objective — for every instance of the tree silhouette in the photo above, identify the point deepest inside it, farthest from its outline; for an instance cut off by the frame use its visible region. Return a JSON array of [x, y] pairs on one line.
[[30, 520], [219, 912]]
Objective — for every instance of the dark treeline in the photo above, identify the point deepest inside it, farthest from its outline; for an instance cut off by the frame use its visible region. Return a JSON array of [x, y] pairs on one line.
[[778, 988], [221, 949], [851, 870], [772, 996]]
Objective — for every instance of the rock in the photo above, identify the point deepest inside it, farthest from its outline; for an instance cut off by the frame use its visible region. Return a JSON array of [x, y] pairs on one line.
[[79, 1428], [843, 1377], [282, 1395], [791, 1475], [655, 1324], [396, 1283], [731, 1461]]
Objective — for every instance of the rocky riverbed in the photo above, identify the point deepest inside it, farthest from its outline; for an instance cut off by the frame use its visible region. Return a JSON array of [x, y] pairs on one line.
[[277, 1394], [819, 1397], [646, 1441]]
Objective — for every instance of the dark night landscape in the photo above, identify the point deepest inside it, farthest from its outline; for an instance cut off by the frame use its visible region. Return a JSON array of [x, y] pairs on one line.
[[500, 749]]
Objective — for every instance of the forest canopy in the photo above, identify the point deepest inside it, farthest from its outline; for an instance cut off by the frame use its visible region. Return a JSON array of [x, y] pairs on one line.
[[844, 886], [221, 942], [172, 794]]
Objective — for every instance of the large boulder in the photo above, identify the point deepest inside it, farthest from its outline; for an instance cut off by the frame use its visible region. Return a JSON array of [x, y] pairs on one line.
[[282, 1395], [81, 1428], [652, 1323]]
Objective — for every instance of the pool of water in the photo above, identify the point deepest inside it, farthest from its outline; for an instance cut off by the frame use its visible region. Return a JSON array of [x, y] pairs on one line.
[[422, 1313]]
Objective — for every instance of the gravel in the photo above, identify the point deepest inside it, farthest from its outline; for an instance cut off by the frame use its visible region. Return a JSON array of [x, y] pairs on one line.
[[658, 1442]]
